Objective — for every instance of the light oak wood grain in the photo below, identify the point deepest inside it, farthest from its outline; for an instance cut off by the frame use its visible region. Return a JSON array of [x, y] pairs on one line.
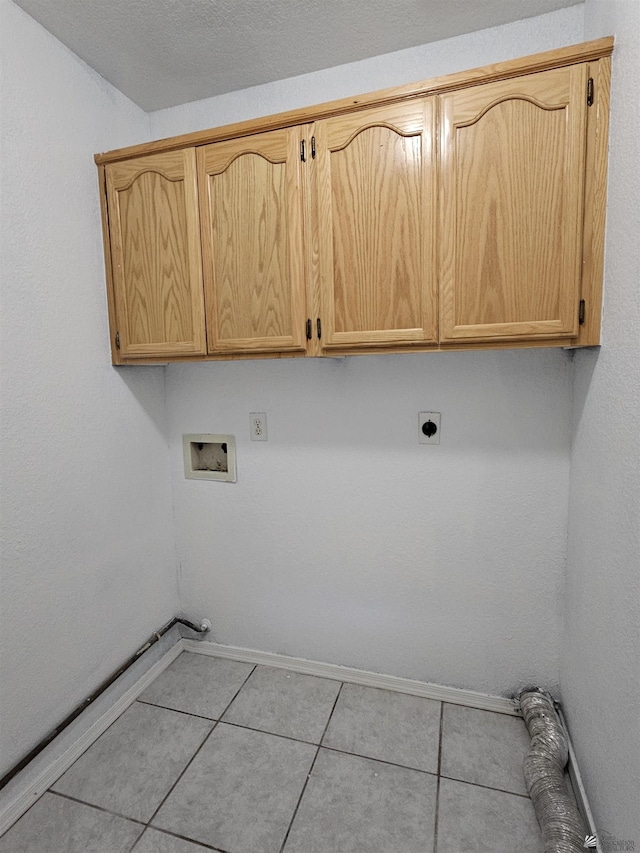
[[376, 196], [583, 52], [156, 264], [595, 202], [106, 243], [254, 268], [312, 243], [455, 346], [472, 218], [511, 207]]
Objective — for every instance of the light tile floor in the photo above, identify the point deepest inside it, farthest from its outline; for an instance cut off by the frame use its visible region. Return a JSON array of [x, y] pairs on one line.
[[227, 756]]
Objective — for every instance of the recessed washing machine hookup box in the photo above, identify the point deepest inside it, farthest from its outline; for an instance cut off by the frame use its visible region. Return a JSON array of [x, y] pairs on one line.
[[209, 457]]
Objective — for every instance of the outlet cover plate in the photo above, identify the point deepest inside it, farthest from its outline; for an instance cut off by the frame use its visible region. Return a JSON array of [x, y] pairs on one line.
[[426, 417], [258, 426]]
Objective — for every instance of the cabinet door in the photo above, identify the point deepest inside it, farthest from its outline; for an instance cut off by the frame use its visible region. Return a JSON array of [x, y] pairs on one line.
[[511, 207], [254, 270], [376, 202], [155, 252]]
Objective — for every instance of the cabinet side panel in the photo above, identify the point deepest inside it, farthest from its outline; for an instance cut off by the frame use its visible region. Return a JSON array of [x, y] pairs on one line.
[[595, 202], [106, 243]]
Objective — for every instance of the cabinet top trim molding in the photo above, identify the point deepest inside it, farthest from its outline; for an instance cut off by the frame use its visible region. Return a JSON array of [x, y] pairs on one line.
[[587, 51]]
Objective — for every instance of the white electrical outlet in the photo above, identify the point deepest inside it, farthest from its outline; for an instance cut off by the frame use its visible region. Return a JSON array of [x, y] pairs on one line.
[[429, 428], [258, 426]]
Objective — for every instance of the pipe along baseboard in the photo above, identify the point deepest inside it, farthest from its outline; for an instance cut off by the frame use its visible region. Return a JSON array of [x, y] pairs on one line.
[[203, 628]]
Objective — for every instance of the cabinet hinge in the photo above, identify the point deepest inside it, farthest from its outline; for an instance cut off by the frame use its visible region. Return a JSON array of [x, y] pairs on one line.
[[581, 310], [303, 155], [117, 340], [313, 148], [308, 329], [319, 328], [590, 91]]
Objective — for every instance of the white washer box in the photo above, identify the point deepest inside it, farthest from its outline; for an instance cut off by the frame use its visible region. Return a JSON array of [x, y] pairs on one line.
[[209, 457]]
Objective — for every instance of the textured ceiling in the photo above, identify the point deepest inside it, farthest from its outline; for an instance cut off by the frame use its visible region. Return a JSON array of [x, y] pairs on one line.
[[166, 52]]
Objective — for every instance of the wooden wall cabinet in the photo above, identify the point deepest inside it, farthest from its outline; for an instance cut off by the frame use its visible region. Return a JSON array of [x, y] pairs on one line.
[[512, 191], [253, 243], [156, 265], [464, 212], [376, 201]]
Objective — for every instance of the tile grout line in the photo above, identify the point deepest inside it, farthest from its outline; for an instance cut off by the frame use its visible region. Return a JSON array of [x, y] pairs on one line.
[[189, 763], [267, 732], [295, 811], [215, 722], [487, 787], [297, 739], [181, 837], [143, 826], [379, 760], [98, 808], [435, 825], [177, 710], [328, 748], [333, 708], [313, 763], [137, 841]]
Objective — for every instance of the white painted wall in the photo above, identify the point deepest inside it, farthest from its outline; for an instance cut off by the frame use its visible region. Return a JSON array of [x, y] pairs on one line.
[[343, 539], [472, 50], [88, 566], [601, 647]]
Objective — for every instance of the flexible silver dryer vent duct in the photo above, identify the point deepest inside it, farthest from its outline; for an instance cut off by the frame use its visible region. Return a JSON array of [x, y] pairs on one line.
[[560, 822]]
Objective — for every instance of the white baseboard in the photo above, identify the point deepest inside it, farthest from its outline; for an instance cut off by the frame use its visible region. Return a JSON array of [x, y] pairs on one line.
[[577, 785], [32, 783], [423, 689], [49, 770]]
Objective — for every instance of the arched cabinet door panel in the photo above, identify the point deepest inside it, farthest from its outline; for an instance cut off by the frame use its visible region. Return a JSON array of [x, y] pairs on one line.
[[252, 237], [511, 207], [375, 181], [155, 255]]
